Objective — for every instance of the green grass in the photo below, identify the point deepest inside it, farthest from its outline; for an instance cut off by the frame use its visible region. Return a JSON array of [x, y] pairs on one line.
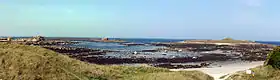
[[261, 73], [190, 75], [20, 62], [270, 70], [224, 76]]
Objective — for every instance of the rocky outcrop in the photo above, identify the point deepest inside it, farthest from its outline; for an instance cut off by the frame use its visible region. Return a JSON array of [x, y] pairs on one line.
[[181, 66]]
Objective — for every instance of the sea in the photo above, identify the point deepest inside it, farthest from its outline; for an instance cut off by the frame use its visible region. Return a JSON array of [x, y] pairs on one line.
[[124, 51], [127, 51], [270, 42], [118, 46]]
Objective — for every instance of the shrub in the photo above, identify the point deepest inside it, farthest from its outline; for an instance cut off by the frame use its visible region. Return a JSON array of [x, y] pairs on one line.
[[273, 58]]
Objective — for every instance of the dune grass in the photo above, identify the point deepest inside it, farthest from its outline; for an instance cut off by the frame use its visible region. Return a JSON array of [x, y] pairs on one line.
[[269, 71], [224, 76], [190, 75], [261, 73], [20, 62]]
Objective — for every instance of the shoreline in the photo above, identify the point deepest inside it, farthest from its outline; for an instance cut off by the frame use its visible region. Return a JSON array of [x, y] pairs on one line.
[[173, 52]]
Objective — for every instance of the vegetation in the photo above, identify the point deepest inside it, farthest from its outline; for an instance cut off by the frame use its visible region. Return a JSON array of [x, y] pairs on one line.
[[270, 71], [224, 76], [227, 38], [20, 62], [273, 58], [261, 73], [190, 75]]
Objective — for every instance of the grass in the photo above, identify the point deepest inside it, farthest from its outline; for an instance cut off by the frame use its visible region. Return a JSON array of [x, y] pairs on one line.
[[190, 75], [224, 76], [261, 73], [20, 62], [270, 70]]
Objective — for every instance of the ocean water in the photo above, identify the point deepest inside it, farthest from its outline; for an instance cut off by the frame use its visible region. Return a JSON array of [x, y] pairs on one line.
[[127, 51], [270, 42], [141, 40], [115, 46], [119, 47]]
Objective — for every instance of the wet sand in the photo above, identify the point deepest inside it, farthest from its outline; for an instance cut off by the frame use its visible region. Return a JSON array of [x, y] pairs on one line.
[[225, 69]]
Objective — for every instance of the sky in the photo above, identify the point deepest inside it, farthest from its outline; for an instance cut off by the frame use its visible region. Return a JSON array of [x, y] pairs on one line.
[[186, 19]]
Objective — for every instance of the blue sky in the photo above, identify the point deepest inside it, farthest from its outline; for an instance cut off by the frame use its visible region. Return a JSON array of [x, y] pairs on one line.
[[188, 19]]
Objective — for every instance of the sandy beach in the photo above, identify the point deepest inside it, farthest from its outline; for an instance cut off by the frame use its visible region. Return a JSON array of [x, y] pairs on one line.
[[225, 69]]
